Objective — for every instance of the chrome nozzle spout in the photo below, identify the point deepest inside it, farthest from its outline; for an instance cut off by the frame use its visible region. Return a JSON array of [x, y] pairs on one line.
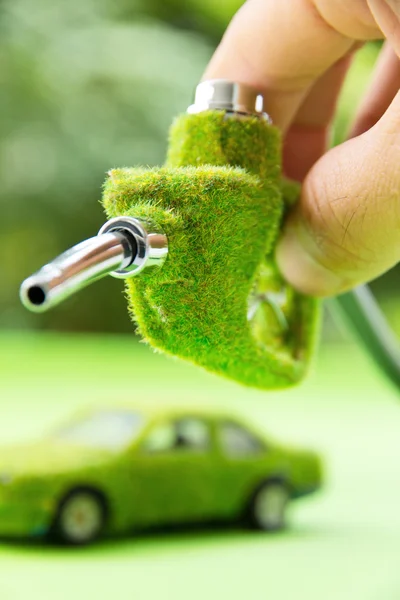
[[74, 269], [123, 247]]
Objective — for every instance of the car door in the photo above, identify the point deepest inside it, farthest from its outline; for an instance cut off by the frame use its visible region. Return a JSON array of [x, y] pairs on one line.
[[174, 475], [245, 461]]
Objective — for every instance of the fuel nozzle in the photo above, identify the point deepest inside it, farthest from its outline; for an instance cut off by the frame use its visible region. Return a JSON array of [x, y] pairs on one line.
[[123, 248]]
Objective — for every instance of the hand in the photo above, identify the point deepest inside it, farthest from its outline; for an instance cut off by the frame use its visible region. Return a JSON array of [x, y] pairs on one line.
[[346, 227]]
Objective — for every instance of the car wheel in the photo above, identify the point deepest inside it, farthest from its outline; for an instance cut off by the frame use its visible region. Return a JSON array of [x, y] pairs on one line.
[[80, 519], [268, 506]]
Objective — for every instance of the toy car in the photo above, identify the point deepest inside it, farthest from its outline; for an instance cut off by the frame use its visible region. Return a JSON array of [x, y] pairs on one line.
[[113, 470]]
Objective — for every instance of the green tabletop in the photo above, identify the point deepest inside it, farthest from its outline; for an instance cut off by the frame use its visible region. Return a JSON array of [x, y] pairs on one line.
[[343, 544]]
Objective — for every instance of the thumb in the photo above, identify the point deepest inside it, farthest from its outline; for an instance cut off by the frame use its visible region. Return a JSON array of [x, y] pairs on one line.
[[346, 227]]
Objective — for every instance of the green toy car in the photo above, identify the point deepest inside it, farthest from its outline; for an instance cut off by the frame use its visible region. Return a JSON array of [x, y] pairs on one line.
[[114, 470]]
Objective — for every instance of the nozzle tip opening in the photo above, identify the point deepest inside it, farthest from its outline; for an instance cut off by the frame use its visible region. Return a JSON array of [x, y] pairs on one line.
[[36, 295]]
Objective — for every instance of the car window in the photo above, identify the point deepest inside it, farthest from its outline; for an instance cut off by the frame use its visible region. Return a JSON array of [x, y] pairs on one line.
[[188, 434], [236, 441], [160, 439], [109, 429]]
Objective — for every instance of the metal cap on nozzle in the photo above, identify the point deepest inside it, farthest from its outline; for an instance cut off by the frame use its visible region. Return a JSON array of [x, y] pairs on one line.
[[222, 94], [123, 247]]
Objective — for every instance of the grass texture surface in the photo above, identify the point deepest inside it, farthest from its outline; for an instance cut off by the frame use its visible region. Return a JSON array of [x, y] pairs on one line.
[[342, 543], [219, 301]]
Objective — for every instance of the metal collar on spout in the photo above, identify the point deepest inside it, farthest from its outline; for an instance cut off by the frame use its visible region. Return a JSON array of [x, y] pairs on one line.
[[151, 248], [232, 97]]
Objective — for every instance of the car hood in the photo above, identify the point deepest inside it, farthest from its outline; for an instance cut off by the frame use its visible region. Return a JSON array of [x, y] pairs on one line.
[[49, 458]]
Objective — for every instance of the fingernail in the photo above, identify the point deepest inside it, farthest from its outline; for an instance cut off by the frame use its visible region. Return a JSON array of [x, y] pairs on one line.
[[300, 268]]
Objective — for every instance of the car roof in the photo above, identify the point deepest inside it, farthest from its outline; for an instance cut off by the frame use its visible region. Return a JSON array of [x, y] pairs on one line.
[[158, 411]]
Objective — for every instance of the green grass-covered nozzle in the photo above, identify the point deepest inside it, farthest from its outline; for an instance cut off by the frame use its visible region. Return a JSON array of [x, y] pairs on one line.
[[218, 301]]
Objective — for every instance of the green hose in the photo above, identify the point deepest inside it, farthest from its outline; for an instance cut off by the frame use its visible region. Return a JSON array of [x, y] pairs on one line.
[[365, 318]]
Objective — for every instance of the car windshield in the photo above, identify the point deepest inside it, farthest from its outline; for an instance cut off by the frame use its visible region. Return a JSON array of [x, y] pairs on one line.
[[111, 429]]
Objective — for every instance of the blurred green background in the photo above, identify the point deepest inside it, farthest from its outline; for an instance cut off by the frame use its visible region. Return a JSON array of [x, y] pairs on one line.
[[86, 86]]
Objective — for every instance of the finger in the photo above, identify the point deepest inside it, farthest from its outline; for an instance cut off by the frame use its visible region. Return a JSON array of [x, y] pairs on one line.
[[384, 86], [283, 47], [386, 14], [345, 230], [308, 136]]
